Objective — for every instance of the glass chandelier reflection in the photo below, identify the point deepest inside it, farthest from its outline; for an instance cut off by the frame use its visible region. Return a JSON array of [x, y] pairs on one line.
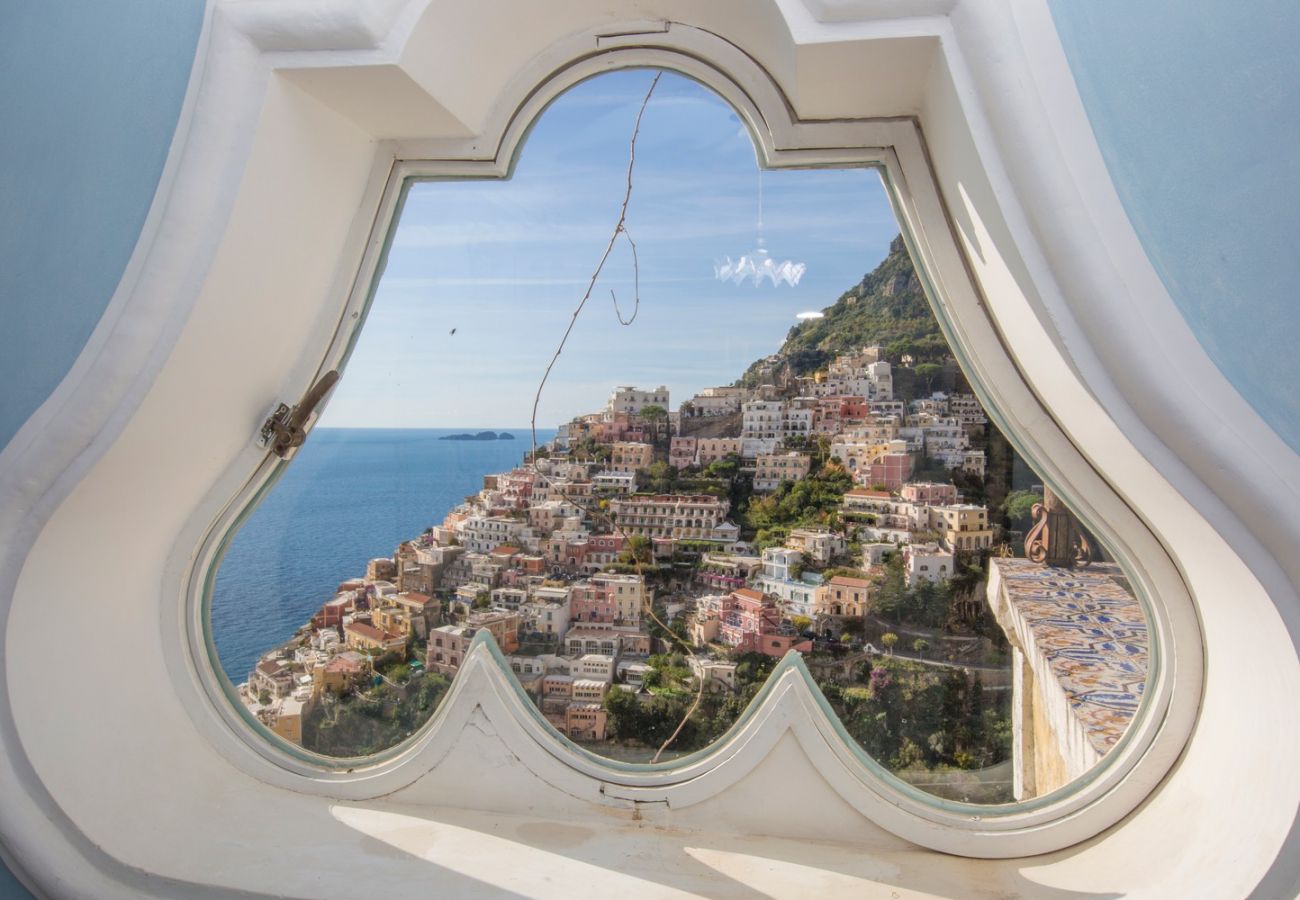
[[757, 265]]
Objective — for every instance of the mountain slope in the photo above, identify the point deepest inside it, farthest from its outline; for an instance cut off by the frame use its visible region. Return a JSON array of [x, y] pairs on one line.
[[886, 307]]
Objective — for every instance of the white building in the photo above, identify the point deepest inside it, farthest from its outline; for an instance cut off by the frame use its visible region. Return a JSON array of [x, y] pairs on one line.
[[594, 666], [545, 617], [927, 562], [679, 516], [717, 401], [631, 400], [606, 483], [817, 546], [797, 594], [481, 534]]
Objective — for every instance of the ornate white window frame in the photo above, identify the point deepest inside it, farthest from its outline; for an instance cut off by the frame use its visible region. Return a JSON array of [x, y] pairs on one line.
[[895, 148], [221, 312]]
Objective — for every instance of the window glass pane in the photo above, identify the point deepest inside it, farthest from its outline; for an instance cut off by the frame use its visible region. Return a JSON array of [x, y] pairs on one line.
[[747, 448]]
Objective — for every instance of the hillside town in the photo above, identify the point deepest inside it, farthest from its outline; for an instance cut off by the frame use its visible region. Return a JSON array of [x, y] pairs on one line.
[[646, 552]]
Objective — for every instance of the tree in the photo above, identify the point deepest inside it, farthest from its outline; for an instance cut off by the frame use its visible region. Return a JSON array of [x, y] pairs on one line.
[[891, 595], [801, 623], [660, 478], [653, 412], [638, 548], [920, 645], [889, 639], [624, 714], [929, 372], [1019, 509]]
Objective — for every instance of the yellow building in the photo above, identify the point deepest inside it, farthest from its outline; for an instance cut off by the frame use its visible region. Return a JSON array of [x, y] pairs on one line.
[[285, 719], [360, 636], [394, 620], [964, 526], [843, 597], [629, 456], [340, 674]]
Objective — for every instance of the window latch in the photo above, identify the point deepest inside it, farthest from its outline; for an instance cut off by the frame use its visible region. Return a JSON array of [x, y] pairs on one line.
[[286, 428]]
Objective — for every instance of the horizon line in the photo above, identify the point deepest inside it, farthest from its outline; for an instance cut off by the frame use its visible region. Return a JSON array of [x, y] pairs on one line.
[[428, 427]]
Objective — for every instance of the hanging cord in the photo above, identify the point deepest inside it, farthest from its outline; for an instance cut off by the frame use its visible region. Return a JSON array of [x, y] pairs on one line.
[[620, 228]]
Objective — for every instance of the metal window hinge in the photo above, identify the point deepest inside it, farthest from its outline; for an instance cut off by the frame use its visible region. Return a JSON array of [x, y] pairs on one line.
[[286, 428]]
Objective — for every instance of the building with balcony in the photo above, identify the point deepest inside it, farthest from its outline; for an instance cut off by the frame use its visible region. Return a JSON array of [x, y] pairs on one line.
[[446, 649], [774, 468], [710, 450], [631, 400], [628, 457], [585, 721], [678, 516], [368, 638], [844, 597], [682, 452]]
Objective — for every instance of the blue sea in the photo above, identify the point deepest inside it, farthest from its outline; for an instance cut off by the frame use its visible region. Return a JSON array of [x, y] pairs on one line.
[[348, 496]]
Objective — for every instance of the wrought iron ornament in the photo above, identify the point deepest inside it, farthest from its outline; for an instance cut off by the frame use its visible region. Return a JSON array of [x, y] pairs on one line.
[[1056, 539]]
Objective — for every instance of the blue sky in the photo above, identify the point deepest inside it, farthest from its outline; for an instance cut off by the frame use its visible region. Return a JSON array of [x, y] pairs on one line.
[[504, 263]]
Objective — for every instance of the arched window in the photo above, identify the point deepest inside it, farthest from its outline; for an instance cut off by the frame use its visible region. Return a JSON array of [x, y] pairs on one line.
[[953, 710], [396, 614]]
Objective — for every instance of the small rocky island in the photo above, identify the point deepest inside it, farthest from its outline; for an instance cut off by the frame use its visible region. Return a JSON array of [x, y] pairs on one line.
[[479, 436]]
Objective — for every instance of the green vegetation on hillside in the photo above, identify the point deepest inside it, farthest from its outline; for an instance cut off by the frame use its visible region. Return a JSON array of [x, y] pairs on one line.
[[911, 717], [887, 307], [360, 724], [814, 501]]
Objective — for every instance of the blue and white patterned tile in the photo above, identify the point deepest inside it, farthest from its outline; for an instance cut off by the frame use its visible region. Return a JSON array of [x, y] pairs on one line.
[[1090, 630]]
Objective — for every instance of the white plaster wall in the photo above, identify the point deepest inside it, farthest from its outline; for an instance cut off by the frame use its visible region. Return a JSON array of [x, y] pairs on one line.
[[137, 774]]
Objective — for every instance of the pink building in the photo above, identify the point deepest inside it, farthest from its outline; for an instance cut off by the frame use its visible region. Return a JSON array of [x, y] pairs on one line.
[[607, 543], [779, 644], [517, 487], [747, 617], [929, 493], [621, 426], [591, 603], [590, 554], [331, 614], [725, 580], [892, 470], [681, 452], [854, 408], [831, 414]]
